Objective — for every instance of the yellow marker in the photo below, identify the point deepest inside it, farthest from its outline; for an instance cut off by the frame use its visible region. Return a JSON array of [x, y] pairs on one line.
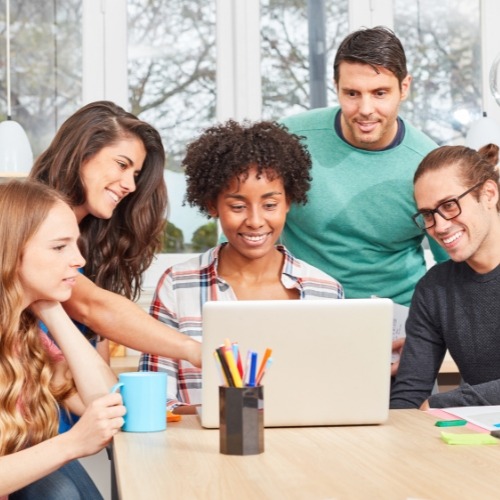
[[233, 368]]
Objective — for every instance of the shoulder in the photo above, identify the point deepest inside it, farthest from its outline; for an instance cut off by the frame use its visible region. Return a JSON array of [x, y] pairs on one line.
[[416, 141], [441, 275], [192, 268], [314, 119]]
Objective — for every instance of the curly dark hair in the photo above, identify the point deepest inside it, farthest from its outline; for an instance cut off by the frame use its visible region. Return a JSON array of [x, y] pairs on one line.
[[231, 149], [120, 249]]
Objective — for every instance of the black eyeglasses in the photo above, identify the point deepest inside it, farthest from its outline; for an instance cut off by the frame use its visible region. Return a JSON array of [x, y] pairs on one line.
[[449, 209]]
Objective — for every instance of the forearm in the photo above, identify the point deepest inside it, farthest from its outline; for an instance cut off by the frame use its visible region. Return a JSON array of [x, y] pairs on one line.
[[138, 330], [121, 320], [91, 374], [468, 395], [22, 468], [418, 368]]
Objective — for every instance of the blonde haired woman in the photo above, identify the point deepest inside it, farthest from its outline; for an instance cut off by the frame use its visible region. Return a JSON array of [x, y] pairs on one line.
[[39, 260]]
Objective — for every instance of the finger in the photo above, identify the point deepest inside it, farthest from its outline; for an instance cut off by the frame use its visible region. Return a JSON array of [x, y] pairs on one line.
[[398, 344], [394, 368]]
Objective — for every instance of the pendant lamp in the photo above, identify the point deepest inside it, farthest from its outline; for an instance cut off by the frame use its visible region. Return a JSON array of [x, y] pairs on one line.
[[483, 131], [16, 157], [486, 130]]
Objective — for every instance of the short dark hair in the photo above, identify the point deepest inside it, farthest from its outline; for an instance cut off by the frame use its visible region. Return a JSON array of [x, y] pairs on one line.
[[231, 149], [475, 167], [377, 46]]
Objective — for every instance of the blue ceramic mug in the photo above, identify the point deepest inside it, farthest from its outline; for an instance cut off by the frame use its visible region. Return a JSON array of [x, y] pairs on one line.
[[145, 398]]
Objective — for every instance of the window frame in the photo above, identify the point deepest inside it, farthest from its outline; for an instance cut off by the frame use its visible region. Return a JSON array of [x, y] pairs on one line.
[[239, 93]]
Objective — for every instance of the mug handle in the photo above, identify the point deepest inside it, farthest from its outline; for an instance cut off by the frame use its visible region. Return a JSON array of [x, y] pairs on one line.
[[116, 387]]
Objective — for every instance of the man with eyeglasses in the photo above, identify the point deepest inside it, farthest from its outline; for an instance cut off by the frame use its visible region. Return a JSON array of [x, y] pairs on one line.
[[456, 305]]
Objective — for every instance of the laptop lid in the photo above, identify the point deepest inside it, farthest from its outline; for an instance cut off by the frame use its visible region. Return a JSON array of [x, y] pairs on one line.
[[331, 358]]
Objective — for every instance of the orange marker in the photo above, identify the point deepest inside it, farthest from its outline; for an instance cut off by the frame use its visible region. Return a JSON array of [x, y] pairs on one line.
[[262, 367]]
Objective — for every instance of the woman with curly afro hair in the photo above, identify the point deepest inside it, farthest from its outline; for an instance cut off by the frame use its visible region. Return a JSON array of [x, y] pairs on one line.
[[246, 175]]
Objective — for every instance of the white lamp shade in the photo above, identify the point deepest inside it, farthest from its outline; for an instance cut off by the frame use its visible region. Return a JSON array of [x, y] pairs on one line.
[[16, 157], [483, 131]]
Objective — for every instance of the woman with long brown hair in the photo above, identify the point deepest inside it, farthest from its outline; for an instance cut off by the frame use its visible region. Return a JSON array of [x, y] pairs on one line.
[[110, 165]]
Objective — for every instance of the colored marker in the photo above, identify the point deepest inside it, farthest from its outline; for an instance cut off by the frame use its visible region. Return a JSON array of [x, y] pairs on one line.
[[222, 377], [237, 358], [225, 367], [267, 355], [450, 423], [246, 374], [261, 376], [253, 369], [235, 374]]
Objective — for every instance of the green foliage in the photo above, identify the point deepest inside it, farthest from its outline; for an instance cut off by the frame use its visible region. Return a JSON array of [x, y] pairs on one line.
[[204, 237], [172, 239]]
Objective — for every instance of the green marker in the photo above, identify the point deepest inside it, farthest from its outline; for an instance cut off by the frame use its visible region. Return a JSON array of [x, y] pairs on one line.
[[450, 423]]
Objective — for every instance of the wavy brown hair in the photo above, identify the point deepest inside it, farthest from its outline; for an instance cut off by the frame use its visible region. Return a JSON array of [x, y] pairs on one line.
[[117, 250], [28, 400]]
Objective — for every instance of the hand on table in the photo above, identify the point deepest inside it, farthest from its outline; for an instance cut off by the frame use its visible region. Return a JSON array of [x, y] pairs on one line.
[[397, 348]]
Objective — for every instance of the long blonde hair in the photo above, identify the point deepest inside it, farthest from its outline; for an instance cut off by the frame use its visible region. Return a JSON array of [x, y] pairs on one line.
[[28, 402]]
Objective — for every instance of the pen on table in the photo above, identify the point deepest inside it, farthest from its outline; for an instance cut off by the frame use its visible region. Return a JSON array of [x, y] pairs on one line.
[[253, 369], [450, 423], [266, 368], [262, 367]]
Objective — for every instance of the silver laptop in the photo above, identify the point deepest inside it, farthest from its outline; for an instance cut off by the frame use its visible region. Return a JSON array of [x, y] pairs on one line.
[[331, 358]]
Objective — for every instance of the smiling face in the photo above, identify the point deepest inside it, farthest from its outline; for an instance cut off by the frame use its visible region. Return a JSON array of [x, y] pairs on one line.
[[472, 236], [370, 104], [252, 214], [51, 258], [109, 176]]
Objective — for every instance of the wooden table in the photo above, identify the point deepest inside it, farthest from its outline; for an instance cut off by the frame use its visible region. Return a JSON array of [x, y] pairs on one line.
[[402, 459]]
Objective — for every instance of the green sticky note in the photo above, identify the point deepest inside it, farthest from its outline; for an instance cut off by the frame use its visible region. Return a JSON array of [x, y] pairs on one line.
[[478, 438]]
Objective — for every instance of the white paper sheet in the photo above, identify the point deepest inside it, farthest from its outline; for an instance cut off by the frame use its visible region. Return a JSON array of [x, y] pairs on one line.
[[483, 416]]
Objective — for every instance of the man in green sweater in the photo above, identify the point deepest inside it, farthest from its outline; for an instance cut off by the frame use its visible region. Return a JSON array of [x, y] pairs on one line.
[[357, 224]]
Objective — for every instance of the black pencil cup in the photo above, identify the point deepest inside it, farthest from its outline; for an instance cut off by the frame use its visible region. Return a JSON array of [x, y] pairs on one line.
[[241, 424]]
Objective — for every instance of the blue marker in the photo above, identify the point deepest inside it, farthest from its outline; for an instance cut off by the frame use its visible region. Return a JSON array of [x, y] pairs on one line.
[[253, 369], [496, 425]]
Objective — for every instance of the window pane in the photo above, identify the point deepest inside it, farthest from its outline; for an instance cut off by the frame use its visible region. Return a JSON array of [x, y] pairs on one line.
[[442, 43], [46, 62], [285, 63], [171, 63]]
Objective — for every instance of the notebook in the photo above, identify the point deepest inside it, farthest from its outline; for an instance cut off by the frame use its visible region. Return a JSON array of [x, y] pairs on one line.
[[331, 358]]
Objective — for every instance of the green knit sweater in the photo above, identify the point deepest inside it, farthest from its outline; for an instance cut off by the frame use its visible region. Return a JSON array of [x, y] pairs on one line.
[[357, 225]]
